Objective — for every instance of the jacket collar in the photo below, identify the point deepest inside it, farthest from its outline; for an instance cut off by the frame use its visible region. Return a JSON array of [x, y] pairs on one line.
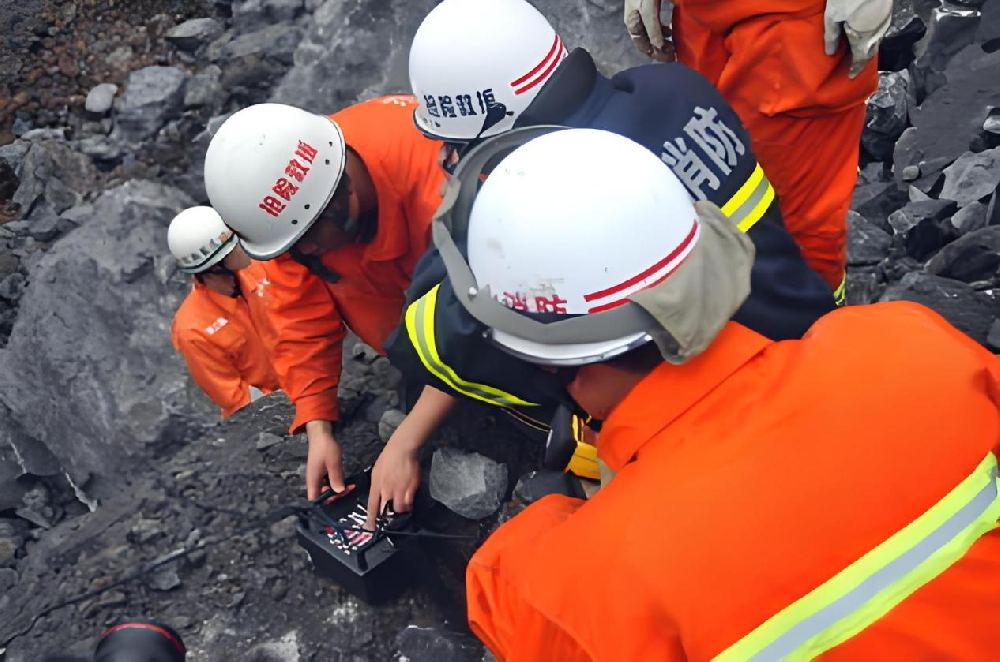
[[670, 390], [565, 93]]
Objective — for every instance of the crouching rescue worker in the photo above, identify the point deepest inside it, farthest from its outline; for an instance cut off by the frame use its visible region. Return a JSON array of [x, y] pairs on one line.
[[222, 328], [340, 209], [799, 73], [518, 74], [762, 507]]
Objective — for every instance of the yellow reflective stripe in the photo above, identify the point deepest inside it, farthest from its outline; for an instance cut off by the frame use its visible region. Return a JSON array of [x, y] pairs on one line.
[[871, 586], [750, 202], [741, 195], [420, 329], [840, 294]]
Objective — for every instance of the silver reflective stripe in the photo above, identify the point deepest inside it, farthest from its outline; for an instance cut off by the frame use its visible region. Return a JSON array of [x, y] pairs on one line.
[[749, 207], [892, 572]]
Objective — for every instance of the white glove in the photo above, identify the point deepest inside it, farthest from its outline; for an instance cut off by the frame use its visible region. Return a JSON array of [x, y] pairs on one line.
[[642, 20], [864, 22]]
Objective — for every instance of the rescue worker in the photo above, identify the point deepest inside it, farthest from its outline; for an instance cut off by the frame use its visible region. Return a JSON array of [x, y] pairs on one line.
[[221, 328], [799, 74], [339, 207], [519, 74], [763, 506]]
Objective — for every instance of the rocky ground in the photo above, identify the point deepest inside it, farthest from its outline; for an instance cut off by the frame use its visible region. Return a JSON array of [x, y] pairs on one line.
[[110, 459]]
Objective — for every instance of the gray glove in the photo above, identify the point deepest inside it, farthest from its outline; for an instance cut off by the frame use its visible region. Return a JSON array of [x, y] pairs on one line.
[[863, 22]]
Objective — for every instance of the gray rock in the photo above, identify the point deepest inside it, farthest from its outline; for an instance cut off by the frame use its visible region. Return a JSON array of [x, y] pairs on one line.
[[972, 177], [923, 226], [876, 201], [974, 257], [905, 30], [45, 229], [965, 308], [333, 65], [8, 552], [864, 286], [916, 195], [266, 440], [120, 57], [866, 242], [100, 98], [251, 15], [53, 178], [910, 173], [469, 484], [8, 264], [12, 287], [104, 352], [389, 422], [11, 491], [951, 29], [258, 59], [165, 579], [969, 218], [993, 337], [992, 124], [949, 122], [194, 33], [152, 96], [102, 148], [205, 88], [886, 115], [988, 32], [418, 644], [8, 579]]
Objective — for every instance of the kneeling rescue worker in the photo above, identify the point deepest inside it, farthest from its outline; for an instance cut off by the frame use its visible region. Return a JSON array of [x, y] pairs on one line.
[[222, 328], [521, 67], [340, 209], [799, 73], [762, 508]]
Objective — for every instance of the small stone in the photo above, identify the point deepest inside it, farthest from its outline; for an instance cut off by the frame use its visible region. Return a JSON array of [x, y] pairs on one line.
[[469, 484], [100, 98], [8, 578], [971, 258], [12, 287], [993, 337], [910, 173], [972, 177], [419, 644], [992, 124], [916, 195], [165, 579], [389, 422], [866, 242], [266, 440], [45, 229], [969, 218], [8, 552], [279, 589], [195, 33]]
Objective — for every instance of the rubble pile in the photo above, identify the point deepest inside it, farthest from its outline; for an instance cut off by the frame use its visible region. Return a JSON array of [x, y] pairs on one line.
[[111, 458]]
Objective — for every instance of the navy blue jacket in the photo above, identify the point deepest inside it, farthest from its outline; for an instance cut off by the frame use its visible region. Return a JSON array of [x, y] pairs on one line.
[[678, 115]]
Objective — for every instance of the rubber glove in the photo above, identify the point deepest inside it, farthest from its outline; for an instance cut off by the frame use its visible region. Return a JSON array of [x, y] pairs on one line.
[[863, 22]]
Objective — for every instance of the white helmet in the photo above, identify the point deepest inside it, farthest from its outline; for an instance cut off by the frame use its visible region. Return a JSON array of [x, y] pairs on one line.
[[270, 170], [199, 239], [473, 83]]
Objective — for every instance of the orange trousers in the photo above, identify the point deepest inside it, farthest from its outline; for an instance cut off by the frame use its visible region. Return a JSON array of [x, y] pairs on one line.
[[803, 113]]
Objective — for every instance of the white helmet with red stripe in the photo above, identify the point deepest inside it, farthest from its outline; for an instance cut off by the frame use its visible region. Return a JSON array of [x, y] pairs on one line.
[[472, 83], [574, 223], [270, 171]]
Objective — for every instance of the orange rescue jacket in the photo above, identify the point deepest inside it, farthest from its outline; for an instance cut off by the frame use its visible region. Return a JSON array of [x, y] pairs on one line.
[[309, 313], [773, 499], [226, 342]]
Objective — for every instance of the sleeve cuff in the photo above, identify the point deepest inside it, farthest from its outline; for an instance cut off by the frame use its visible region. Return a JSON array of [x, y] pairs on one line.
[[321, 406]]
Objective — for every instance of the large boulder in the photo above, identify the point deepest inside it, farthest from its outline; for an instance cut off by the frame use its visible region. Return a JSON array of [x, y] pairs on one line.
[[968, 310], [52, 178], [89, 371], [153, 96], [359, 50]]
